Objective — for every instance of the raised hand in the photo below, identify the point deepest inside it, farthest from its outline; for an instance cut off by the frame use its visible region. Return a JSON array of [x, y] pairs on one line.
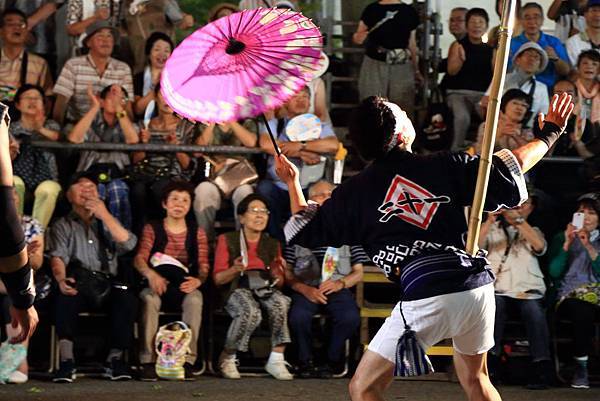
[[286, 170], [559, 111]]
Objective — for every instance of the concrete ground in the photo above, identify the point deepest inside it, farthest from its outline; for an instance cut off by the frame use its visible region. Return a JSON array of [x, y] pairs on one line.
[[261, 389]]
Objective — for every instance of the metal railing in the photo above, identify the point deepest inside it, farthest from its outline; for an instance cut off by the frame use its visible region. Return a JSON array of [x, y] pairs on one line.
[[147, 147]]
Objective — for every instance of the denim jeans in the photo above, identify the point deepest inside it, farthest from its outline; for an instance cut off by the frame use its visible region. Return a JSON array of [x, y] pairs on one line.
[[533, 316]]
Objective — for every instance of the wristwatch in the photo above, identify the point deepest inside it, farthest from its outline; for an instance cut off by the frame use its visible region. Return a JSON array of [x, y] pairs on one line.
[[303, 145], [121, 114]]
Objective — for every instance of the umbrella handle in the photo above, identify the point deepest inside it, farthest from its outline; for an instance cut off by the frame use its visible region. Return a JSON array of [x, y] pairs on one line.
[[277, 150]]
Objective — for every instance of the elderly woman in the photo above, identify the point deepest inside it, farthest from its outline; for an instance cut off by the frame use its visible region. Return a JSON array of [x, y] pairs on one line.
[[34, 168], [159, 47], [241, 259], [575, 266]]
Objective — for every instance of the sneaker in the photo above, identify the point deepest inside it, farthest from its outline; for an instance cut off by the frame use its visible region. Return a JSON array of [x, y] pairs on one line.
[[17, 377], [147, 373], [278, 369], [580, 377], [189, 372], [325, 372], [228, 367], [65, 372], [118, 371]]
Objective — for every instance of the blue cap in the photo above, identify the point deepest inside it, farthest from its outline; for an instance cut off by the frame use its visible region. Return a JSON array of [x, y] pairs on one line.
[[592, 3]]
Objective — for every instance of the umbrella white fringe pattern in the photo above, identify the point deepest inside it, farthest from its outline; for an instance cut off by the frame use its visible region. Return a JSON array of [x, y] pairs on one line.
[[267, 54]]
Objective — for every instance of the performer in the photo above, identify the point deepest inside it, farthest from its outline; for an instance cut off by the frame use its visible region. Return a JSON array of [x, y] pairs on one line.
[[407, 212], [15, 271]]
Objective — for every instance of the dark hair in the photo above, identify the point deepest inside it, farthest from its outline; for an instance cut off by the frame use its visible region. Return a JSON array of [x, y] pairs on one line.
[[24, 88], [514, 94], [569, 81], [531, 5], [242, 207], [477, 12], [12, 11], [157, 88], [107, 89], [590, 200], [155, 37], [590, 54], [371, 127], [177, 185]]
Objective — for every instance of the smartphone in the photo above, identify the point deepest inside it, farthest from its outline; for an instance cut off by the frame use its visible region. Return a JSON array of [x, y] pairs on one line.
[[577, 221]]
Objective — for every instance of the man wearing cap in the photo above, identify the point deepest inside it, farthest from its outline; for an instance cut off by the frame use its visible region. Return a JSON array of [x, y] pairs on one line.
[[528, 61], [97, 68], [83, 247], [531, 16], [588, 39]]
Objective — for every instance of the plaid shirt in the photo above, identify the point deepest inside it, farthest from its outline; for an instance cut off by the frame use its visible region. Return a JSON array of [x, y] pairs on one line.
[[79, 72], [37, 72]]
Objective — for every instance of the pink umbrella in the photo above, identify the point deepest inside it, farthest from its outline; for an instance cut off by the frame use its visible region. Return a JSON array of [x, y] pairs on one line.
[[242, 65]]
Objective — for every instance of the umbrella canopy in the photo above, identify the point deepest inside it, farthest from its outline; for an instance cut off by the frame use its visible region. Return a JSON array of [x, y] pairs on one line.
[[242, 65]]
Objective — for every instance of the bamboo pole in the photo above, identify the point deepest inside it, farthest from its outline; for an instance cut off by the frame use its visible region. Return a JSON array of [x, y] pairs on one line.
[[491, 123]]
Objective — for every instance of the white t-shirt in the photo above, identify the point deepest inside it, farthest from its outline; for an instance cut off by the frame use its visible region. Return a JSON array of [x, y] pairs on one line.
[[576, 44]]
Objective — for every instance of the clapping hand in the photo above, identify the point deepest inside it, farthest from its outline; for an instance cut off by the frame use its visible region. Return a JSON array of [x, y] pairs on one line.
[[559, 111]]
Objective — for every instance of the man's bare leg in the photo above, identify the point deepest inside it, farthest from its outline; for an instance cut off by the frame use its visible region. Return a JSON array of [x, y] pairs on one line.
[[473, 376], [373, 376]]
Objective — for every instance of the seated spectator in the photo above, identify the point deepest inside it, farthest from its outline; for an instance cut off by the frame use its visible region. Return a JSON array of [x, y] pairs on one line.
[[173, 257], [143, 18], [388, 32], [208, 194], [588, 39], [107, 121], [158, 49], [513, 247], [301, 153], [575, 131], [511, 133], [34, 237], [238, 255], [35, 168], [17, 65], [221, 10], [97, 68], [470, 70], [568, 17], [89, 239], [575, 267], [152, 171], [588, 87], [493, 34], [529, 60], [313, 293], [81, 14], [531, 16]]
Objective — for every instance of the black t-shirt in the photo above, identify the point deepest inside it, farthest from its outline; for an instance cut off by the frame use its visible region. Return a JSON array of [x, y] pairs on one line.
[[394, 33]]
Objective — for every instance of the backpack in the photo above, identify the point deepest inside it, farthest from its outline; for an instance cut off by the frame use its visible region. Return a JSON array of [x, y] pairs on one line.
[[437, 131], [172, 344]]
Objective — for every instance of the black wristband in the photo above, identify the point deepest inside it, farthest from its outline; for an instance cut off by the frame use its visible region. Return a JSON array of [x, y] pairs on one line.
[[19, 286], [549, 134]]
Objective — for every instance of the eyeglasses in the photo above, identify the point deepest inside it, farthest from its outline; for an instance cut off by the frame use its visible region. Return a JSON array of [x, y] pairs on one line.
[[259, 210], [21, 25], [457, 20], [32, 98]]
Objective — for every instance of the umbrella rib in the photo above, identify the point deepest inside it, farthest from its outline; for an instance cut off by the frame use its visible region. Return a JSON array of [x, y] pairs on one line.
[[268, 27], [262, 58], [250, 22]]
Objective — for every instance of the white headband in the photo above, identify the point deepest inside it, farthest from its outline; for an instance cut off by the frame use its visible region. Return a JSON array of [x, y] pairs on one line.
[[400, 117]]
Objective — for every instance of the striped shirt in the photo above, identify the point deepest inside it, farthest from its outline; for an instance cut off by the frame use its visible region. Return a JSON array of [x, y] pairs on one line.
[[38, 72], [175, 247], [79, 72]]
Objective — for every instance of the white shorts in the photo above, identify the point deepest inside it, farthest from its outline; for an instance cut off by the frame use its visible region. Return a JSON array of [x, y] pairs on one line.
[[466, 317]]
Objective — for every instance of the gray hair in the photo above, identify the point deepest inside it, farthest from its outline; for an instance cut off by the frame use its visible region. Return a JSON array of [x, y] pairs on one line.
[[311, 189]]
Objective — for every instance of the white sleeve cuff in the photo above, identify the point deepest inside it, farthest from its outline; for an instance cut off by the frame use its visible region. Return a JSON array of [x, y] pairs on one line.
[[511, 162], [299, 220]]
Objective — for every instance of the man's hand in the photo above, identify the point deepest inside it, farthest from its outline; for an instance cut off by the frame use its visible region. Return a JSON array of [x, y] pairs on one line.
[[286, 170], [158, 284], [67, 287], [314, 295], [330, 286], [559, 111], [96, 207], [190, 284], [310, 158], [552, 56], [118, 98], [238, 264], [27, 319], [95, 102], [290, 148]]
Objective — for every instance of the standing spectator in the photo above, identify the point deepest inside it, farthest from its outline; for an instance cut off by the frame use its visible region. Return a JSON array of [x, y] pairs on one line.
[[531, 16], [568, 17], [97, 68], [513, 247], [302, 153], [208, 195], [153, 170], [17, 65], [89, 239], [34, 237], [81, 14], [590, 37], [221, 10], [169, 285], [144, 17], [470, 68], [387, 30], [575, 267], [107, 121], [35, 169], [457, 22], [312, 293], [234, 262], [158, 49]]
